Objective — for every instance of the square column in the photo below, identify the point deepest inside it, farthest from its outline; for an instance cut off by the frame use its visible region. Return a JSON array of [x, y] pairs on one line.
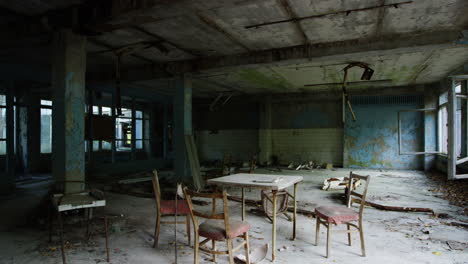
[[68, 124], [182, 127], [265, 139]]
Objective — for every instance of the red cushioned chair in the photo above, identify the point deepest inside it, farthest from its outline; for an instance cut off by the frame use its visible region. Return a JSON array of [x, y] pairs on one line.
[[336, 215], [217, 227], [166, 208]]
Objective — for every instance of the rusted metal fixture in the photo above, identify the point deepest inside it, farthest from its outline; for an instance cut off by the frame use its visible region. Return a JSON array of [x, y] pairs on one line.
[[346, 12], [354, 82], [366, 75]]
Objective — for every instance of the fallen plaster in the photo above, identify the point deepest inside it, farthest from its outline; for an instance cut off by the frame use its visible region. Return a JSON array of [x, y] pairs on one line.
[[391, 237]]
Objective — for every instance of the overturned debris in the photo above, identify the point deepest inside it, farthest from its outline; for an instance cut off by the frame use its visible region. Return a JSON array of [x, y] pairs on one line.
[[396, 208]]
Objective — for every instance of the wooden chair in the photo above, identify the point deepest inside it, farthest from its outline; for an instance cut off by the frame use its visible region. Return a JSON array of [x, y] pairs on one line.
[[217, 227], [252, 166], [335, 215], [165, 208]]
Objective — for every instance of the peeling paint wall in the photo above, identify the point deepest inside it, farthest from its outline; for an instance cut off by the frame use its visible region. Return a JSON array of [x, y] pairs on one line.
[[372, 140]]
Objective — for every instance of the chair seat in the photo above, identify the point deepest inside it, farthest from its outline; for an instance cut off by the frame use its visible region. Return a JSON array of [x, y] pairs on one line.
[[168, 207], [215, 229], [336, 214]]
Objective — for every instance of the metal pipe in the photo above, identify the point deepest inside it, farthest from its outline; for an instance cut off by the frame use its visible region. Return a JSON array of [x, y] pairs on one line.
[[347, 12]]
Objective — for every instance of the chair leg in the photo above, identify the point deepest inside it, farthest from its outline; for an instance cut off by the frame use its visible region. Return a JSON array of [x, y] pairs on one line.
[[196, 249], [247, 248], [363, 248], [188, 229], [329, 227], [156, 230], [231, 253], [213, 246], [317, 230], [349, 234]]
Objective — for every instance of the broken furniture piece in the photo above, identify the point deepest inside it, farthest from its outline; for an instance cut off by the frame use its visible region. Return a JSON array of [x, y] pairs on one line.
[[339, 183], [256, 255], [166, 208], [217, 227], [218, 172], [252, 166], [72, 201], [272, 183], [282, 199], [336, 215]]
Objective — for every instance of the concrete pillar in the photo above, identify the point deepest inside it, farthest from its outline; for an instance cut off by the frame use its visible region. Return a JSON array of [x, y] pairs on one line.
[[33, 132], [430, 126], [182, 127], [165, 131], [265, 139], [68, 124]]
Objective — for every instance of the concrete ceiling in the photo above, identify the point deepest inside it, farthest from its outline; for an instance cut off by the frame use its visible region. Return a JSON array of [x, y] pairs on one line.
[[199, 32]]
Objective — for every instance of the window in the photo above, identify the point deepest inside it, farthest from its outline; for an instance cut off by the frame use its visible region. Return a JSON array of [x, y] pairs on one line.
[[123, 130], [443, 121], [46, 126], [2, 124]]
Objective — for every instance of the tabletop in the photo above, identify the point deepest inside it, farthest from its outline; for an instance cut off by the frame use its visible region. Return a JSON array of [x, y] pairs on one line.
[[260, 181]]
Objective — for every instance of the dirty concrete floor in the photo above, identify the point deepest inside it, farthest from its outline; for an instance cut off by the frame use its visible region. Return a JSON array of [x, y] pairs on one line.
[[391, 237]]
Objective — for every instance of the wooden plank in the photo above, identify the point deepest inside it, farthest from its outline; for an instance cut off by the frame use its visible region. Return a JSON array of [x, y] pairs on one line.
[[194, 161]]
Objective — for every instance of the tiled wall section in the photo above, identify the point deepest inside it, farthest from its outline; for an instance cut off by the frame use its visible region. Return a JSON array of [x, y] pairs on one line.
[[320, 145], [240, 144]]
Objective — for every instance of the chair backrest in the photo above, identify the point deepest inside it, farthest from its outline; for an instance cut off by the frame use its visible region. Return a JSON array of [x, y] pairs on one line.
[[189, 194], [253, 163], [361, 197], [156, 189]]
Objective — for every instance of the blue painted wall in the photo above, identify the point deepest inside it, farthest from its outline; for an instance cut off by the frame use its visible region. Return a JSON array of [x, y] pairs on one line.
[[372, 140]]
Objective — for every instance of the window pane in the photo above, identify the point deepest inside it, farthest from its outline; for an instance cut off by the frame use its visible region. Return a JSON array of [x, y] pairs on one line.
[[96, 145], [123, 145], [139, 114], [46, 102], [139, 144], [139, 129], [106, 145], [46, 130], [2, 147], [126, 112], [96, 110], [2, 99], [106, 111], [123, 128], [3, 123]]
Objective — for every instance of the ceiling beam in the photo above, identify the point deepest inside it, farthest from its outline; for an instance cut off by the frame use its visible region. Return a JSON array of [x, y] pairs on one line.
[[161, 39], [210, 22], [403, 43], [345, 12], [290, 12]]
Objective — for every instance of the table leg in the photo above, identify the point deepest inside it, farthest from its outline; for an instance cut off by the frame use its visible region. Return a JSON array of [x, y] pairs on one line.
[[243, 204], [295, 212], [107, 238], [273, 248], [61, 237]]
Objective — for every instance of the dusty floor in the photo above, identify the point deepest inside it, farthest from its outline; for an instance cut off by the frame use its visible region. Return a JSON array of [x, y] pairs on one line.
[[391, 237]]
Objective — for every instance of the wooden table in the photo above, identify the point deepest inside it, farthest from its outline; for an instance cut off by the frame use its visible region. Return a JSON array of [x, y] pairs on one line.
[[264, 182], [83, 200]]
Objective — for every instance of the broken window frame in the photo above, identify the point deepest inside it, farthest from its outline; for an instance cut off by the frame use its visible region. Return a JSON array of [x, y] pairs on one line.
[[452, 157], [45, 105], [3, 139], [400, 147]]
